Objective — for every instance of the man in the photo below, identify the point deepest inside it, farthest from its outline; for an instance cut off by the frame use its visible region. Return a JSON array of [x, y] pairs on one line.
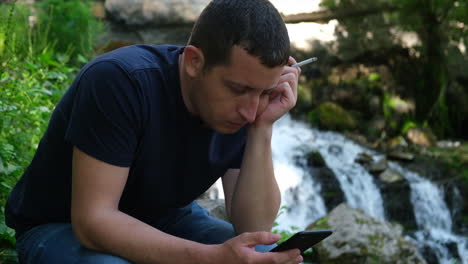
[[144, 130]]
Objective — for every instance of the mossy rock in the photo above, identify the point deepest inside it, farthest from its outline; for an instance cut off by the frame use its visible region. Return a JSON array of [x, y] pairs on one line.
[[319, 224], [331, 116]]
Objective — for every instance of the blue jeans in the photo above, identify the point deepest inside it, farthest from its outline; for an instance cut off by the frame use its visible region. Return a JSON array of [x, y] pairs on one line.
[[56, 244]]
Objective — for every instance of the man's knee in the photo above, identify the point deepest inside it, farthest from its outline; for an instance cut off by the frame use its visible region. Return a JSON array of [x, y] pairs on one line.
[[91, 257]]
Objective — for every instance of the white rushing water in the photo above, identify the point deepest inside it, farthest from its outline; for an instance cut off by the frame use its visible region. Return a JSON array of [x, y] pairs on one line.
[[301, 195], [433, 217], [291, 139], [289, 144]]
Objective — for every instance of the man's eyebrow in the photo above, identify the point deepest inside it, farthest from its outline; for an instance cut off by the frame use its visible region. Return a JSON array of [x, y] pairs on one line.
[[233, 83], [248, 87]]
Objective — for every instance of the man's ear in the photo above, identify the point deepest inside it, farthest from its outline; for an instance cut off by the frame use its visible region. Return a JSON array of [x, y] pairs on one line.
[[194, 61]]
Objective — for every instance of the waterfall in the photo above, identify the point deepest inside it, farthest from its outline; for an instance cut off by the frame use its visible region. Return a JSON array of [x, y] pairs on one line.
[[290, 139], [433, 217], [289, 145], [301, 195]]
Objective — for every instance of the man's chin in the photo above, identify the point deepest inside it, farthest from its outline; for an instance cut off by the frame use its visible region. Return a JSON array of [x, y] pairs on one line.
[[227, 129]]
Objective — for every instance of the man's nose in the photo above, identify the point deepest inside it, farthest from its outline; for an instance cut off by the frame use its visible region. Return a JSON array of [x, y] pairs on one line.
[[249, 108]]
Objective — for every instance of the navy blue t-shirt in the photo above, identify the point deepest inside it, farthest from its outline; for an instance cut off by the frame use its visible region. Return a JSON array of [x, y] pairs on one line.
[[125, 108]]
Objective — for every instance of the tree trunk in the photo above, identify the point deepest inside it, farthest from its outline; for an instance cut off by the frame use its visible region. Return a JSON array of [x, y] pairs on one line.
[[434, 71]]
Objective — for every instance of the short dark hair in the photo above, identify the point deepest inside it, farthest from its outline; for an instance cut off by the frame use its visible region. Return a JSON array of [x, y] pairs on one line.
[[254, 25]]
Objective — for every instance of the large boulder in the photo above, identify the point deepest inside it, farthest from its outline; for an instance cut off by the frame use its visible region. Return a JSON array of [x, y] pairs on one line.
[[171, 12], [150, 12], [170, 21], [333, 117], [359, 238], [150, 22], [216, 207]]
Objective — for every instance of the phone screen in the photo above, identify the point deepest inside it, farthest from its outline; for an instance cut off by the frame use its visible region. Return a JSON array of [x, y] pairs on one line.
[[303, 240]]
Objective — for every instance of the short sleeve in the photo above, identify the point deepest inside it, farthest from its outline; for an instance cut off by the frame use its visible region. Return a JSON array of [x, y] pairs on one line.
[[106, 116], [237, 161], [228, 149]]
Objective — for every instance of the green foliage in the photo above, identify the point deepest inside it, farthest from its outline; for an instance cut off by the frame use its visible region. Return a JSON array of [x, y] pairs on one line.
[[38, 62], [441, 27], [407, 125], [70, 25], [398, 113], [65, 27], [14, 29], [465, 176], [285, 234], [373, 77], [31, 88]]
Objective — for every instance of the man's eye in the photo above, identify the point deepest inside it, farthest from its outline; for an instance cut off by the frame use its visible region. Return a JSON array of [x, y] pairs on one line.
[[238, 90], [267, 92]]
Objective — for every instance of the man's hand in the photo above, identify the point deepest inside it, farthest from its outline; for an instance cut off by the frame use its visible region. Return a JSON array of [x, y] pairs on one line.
[[282, 99], [241, 249]]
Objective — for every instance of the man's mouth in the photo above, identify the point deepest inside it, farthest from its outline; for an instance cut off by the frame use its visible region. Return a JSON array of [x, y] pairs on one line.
[[235, 125]]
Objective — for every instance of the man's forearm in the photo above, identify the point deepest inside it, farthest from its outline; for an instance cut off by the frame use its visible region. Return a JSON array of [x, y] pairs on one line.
[[256, 198], [120, 234]]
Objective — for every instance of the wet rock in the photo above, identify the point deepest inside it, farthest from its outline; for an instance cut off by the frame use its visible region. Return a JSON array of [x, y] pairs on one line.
[[376, 125], [448, 144], [429, 254], [391, 176], [453, 249], [400, 155], [364, 159], [379, 166], [456, 202], [421, 137], [317, 168], [396, 198], [359, 238], [315, 159], [396, 142], [359, 139], [374, 167], [330, 187]]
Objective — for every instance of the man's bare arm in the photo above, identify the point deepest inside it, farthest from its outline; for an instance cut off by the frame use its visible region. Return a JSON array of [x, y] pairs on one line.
[[99, 225], [253, 197]]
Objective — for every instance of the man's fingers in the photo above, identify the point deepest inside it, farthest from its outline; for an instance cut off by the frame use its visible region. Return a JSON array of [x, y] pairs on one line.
[[259, 238], [290, 78], [291, 61], [285, 257]]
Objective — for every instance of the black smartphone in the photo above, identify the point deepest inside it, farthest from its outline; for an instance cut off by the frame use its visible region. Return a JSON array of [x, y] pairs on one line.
[[303, 240]]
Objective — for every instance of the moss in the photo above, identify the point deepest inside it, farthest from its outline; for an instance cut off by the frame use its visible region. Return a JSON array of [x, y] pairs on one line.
[[332, 116], [321, 223]]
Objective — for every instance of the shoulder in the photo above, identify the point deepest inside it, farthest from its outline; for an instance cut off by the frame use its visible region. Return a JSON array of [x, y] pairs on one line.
[[142, 57], [134, 64]]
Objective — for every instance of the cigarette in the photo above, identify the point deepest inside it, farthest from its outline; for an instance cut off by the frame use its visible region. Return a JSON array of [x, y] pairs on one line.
[[304, 62]]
